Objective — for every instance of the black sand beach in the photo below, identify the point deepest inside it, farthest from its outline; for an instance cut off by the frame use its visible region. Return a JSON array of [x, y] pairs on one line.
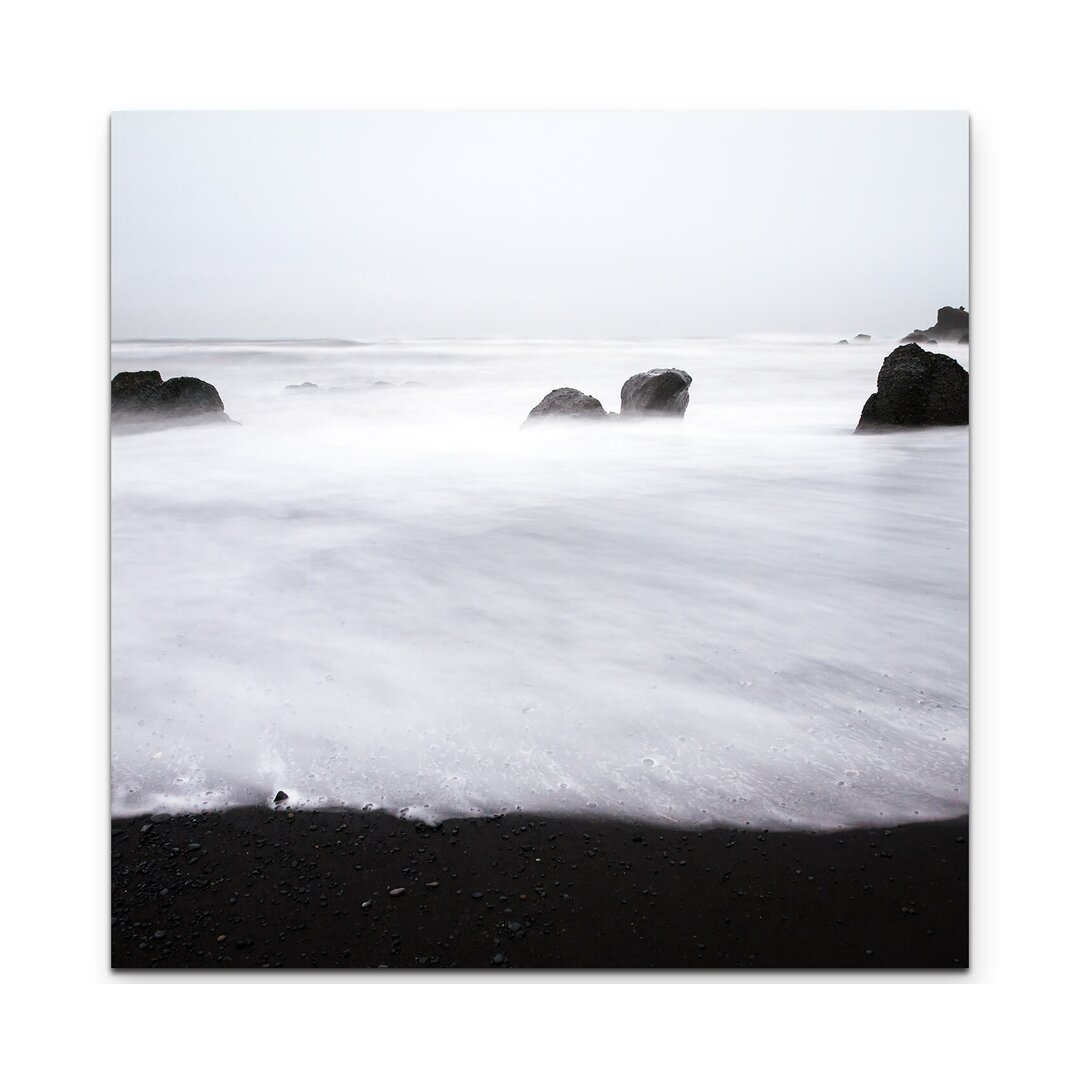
[[257, 888]]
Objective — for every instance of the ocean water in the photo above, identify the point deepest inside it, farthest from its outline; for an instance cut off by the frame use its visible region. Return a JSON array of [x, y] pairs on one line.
[[396, 597]]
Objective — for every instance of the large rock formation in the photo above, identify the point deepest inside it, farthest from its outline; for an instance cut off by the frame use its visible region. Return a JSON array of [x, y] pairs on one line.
[[951, 325], [916, 388], [660, 392], [566, 403], [142, 397]]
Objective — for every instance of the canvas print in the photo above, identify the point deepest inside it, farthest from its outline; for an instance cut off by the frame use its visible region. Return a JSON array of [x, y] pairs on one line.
[[539, 540]]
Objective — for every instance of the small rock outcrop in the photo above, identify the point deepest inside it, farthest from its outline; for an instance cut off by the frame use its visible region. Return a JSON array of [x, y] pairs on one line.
[[660, 392], [916, 389], [861, 337], [918, 337], [307, 387], [566, 403], [142, 396], [843, 341]]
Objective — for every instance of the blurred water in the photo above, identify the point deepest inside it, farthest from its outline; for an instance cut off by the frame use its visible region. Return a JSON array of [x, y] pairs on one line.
[[396, 597]]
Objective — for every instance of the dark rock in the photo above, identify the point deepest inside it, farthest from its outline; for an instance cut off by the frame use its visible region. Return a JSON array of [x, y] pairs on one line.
[[280, 797], [962, 339], [916, 388], [567, 403], [186, 396], [861, 337], [141, 396], [305, 386], [134, 390], [660, 392], [951, 325], [843, 341]]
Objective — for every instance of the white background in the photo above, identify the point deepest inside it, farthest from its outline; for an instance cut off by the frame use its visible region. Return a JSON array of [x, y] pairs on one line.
[[65, 66]]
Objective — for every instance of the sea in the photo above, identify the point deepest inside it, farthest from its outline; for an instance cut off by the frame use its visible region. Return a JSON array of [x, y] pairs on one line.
[[384, 592]]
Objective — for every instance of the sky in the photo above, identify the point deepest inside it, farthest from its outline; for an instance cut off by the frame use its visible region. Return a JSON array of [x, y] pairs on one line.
[[370, 225]]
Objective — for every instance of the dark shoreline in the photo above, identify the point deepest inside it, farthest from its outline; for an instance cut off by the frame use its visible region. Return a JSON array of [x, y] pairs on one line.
[[311, 890]]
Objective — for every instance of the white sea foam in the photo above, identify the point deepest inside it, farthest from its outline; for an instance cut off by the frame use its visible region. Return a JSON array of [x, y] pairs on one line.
[[396, 597]]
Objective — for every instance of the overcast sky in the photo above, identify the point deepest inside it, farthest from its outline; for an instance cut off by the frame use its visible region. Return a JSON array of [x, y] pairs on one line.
[[536, 224]]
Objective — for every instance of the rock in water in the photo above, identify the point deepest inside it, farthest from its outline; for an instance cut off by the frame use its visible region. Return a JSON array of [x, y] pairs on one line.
[[305, 386], [916, 388], [566, 403], [186, 396], [134, 391], [861, 337], [141, 396], [918, 337], [660, 392], [951, 325]]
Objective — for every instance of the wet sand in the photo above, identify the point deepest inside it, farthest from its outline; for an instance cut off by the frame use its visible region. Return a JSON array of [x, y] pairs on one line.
[[257, 888]]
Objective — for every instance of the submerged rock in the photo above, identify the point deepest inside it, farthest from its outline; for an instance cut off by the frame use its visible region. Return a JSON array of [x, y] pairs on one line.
[[566, 403], [916, 388], [659, 392], [142, 396], [305, 386]]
